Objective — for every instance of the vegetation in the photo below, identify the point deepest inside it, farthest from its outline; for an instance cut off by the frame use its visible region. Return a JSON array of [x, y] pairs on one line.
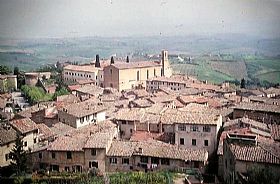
[[4, 70], [262, 175], [140, 177], [35, 94], [60, 92], [19, 157]]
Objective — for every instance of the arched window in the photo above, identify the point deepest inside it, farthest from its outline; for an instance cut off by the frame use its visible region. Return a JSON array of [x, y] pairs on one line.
[[147, 74]]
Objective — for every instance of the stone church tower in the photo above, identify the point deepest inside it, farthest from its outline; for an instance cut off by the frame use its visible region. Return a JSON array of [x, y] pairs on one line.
[[166, 69]]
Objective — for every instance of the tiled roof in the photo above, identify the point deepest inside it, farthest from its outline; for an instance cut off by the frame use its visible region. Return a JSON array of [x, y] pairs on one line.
[[24, 125], [45, 131], [7, 134], [90, 89], [130, 114], [189, 118], [89, 136], [275, 131], [258, 107], [155, 148], [83, 108], [138, 64], [253, 154], [60, 128], [81, 68]]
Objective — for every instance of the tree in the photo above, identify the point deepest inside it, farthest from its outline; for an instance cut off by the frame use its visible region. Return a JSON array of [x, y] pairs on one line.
[[261, 175], [19, 157], [127, 59], [60, 92], [242, 84], [16, 71], [4, 70]]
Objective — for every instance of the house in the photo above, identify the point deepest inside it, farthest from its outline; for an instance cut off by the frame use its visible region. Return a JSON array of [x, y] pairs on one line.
[[258, 111], [196, 130], [29, 130], [152, 155], [244, 152], [79, 150], [81, 114], [7, 141]]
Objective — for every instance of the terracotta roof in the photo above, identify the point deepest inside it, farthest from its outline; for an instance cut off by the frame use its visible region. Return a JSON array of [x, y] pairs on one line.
[[7, 134], [253, 154], [275, 131], [188, 118], [130, 114], [138, 64], [155, 148], [45, 131], [24, 125], [258, 107], [82, 68], [89, 136], [90, 89], [83, 108]]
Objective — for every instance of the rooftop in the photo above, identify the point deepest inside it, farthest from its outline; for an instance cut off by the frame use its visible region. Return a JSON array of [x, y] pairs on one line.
[[24, 125], [258, 107], [138, 64], [83, 109], [7, 134], [81, 68]]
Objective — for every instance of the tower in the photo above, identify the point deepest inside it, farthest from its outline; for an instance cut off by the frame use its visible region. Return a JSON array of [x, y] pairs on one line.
[[166, 69]]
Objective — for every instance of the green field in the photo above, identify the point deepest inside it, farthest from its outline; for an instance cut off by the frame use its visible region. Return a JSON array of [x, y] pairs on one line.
[[265, 70]]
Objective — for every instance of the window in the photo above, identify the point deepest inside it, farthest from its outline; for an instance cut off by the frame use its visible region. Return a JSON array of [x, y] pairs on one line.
[[7, 156], [25, 143], [138, 76], [111, 71], [165, 161], [53, 155], [67, 169], [182, 141], [35, 140], [69, 155], [111, 85], [194, 142], [93, 152], [206, 128], [93, 164], [194, 128], [181, 127], [113, 160], [40, 155], [154, 72], [125, 161], [144, 159], [147, 74], [205, 142]]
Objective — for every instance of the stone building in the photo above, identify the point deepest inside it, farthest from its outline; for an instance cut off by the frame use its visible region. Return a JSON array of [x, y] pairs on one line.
[[193, 129], [152, 155], [245, 152], [128, 75], [258, 111]]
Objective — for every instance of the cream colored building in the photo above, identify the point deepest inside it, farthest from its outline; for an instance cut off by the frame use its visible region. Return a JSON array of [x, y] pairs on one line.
[[193, 129], [123, 75], [81, 114], [83, 72]]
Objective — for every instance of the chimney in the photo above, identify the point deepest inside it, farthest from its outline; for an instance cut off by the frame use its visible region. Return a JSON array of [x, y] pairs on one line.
[[112, 60], [97, 61], [127, 59]]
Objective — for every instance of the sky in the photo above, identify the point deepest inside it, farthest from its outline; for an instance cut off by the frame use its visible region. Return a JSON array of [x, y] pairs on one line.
[[79, 18]]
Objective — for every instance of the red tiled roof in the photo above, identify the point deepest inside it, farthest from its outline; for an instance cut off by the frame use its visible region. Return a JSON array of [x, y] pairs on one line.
[[24, 125]]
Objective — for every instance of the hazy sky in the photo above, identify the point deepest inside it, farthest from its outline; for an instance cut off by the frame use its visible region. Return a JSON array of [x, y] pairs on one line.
[[73, 18]]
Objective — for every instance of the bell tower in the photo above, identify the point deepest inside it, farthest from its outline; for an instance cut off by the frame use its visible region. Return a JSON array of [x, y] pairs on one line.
[[166, 69]]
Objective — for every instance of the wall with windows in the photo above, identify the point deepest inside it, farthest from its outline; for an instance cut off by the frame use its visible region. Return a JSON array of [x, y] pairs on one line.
[[76, 122], [196, 136]]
